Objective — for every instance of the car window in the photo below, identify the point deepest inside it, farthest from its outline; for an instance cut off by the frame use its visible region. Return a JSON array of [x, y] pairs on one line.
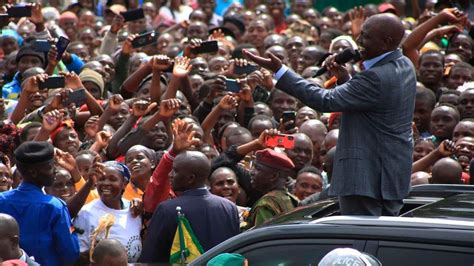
[[398, 253], [293, 252]]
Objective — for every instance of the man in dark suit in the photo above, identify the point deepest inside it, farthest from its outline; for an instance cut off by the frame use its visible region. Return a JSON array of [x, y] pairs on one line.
[[213, 219], [374, 150]]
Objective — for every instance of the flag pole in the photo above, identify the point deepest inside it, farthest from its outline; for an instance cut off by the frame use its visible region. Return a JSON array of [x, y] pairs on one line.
[[182, 245]]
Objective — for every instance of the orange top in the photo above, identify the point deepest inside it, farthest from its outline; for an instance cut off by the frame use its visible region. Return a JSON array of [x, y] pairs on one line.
[[132, 192], [92, 195]]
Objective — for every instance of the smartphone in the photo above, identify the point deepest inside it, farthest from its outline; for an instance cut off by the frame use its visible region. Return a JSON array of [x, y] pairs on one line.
[[61, 45], [42, 45], [132, 15], [289, 116], [232, 85], [144, 39], [78, 97], [206, 47], [53, 82], [245, 69], [283, 141], [19, 11]]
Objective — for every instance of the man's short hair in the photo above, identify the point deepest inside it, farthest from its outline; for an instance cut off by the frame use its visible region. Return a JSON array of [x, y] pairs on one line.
[[431, 52], [426, 95], [310, 169], [108, 247]]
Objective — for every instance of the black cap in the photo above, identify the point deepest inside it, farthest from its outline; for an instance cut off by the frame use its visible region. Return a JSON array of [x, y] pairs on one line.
[[32, 152], [29, 50], [237, 20]]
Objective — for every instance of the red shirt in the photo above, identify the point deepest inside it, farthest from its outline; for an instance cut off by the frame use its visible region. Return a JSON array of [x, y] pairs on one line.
[[159, 188]]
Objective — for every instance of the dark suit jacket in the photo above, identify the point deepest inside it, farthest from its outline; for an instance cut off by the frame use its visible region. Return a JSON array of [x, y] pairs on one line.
[[374, 149], [212, 218]]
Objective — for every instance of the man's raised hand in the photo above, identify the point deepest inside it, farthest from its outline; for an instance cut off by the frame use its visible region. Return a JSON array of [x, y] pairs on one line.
[[183, 134], [169, 107], [272, 63], [160, 63], [142, 108], [181, 67]]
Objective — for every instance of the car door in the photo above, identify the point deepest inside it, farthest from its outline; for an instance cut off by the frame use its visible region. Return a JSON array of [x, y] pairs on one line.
[[411, 253], [293, 252]]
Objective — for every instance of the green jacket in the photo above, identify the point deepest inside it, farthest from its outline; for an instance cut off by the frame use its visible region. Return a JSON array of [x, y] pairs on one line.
[[271, 204]]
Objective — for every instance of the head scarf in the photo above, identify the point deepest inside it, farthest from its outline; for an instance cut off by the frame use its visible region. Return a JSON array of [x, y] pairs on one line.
[[345, 38], [68, 123], [149, 153], [121, 168]]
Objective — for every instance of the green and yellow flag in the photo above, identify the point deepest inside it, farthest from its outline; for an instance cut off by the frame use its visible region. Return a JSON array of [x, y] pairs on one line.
[[186, 247]]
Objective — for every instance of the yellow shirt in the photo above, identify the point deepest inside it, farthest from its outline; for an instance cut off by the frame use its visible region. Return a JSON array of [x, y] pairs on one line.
[[132, 192], [93, 194]]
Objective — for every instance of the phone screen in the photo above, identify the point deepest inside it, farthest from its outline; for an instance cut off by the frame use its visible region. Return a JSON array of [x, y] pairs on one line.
[[62, 45], [206, 47], [245, 69], [144, 39], [289, 116], [132, 15], [52, 82], [19, 11], [232, 85], [78, 97], [283, 141]]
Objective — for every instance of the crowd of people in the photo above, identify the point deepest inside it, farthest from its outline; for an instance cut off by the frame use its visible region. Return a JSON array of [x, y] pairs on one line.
[[212, 111]]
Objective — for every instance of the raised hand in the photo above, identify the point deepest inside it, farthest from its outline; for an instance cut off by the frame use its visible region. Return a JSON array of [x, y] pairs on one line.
[[255, 78], [117, 24], [181, 67], [267, 133], [65, 160], [447, 30], [127, 47], [52, 120], [160, 63], [217, 35], [357, 17], [446, 148], [103, 138], [36, 15], [217, 86], [183, 136], [337, 70], [169, 107], [142, 107], [72, 80], [30, 85], [136, 207], [53, 56], [59, 98], [188, 49], [288, 127], [91, 127], [239, 62], [96, 171], [115, 103], [228, 102], [272, 63], [267, 79], [453, 15], [245, 93]]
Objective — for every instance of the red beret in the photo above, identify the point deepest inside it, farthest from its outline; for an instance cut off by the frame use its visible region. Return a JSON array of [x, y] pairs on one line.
[[273, 159], [387, 8]]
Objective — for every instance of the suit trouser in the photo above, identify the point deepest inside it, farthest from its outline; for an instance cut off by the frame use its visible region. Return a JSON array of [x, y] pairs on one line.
[[362, 205]]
